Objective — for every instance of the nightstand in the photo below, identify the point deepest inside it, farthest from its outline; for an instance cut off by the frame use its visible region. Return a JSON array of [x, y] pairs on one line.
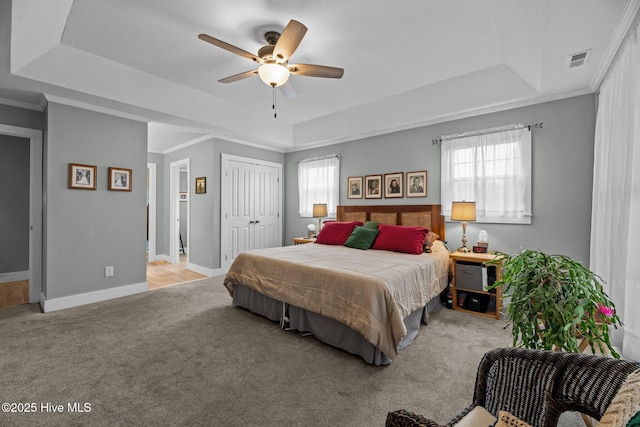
[[303, 240], [471, 273]]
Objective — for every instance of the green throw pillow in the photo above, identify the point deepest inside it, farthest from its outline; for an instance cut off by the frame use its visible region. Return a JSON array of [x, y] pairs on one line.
[[361, 238], [371, 224]]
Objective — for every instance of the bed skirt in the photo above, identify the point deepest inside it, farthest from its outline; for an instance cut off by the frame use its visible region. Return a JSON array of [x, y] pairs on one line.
[[328, 330]]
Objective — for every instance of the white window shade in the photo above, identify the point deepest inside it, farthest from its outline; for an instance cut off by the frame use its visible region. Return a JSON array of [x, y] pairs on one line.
[[318, 182], [491, 168]]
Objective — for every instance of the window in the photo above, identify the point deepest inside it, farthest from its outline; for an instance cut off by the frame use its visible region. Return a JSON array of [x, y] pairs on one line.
[[318, 181], [492, 168]]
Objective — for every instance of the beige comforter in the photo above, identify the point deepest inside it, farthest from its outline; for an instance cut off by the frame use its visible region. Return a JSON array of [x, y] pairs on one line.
[[371, 291]]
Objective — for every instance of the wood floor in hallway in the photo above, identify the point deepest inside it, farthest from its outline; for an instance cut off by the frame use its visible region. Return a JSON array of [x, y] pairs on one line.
[[161, 274]]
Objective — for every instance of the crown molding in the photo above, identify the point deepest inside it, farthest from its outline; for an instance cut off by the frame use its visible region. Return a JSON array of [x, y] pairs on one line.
[[95, 108], [186, 144], [627, 19]]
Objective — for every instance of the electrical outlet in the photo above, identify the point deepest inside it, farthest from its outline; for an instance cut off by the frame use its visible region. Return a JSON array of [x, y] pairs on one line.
[[108, 271]]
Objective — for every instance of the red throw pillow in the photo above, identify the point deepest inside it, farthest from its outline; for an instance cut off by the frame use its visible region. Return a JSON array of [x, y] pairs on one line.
[[398, 238], [336, 233]]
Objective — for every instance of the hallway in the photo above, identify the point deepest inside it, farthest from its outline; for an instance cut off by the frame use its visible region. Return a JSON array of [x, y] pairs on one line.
[[161, 274]]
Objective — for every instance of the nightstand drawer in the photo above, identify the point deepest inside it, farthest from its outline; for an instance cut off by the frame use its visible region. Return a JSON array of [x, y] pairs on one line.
[[471, 276]]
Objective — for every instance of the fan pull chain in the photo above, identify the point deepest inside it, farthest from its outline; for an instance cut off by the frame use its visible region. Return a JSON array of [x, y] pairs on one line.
[[275, 111]]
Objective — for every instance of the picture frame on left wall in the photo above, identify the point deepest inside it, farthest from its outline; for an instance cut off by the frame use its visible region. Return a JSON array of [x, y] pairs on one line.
[[120, 179], [82, 177]]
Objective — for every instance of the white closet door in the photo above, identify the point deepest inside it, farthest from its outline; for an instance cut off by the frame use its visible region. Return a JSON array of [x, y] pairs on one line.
[[240, 209], [251, 205], [266, 202]]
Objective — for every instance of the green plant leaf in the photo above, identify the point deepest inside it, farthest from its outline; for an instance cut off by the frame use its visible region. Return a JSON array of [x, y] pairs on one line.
[[561, 294]]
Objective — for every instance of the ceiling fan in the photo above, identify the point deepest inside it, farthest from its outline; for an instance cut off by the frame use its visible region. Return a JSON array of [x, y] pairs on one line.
[[274, 69]]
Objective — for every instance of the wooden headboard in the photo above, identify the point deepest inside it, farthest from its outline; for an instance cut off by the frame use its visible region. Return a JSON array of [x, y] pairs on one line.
[[428, 216]]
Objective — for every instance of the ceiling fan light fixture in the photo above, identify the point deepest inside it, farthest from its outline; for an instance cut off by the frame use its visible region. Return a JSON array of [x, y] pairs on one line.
[[273, 74]]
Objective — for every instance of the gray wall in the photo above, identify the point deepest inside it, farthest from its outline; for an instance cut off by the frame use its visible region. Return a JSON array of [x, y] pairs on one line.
[[562, 175], [21, 117], [14, 204], [85, 231]]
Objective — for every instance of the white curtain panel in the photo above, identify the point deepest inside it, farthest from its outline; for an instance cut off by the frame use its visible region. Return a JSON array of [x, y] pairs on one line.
[[490, 168], [615, 223], [318, 182]]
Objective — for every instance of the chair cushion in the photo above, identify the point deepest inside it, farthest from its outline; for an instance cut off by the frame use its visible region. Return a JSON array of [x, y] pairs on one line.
[[625, 404], [477, 417], [505, 419]]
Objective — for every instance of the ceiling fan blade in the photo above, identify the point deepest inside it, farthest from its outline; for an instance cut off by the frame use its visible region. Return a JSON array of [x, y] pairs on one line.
[[240, 76], [312, 70], [231, 48], [288, 90], [289, 41]]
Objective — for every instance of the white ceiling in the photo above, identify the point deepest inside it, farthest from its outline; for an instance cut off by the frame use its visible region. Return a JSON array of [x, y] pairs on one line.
[[406, 63]]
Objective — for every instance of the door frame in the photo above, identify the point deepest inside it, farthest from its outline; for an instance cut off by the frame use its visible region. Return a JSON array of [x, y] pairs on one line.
[[174, 208], [225, 263], [36, 215], [152, 188]]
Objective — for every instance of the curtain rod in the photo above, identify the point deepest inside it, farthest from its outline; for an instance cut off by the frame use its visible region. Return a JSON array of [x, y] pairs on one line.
[[330, 156], [488, 131]]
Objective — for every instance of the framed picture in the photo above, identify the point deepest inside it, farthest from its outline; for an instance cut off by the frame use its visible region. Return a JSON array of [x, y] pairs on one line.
[[417, 184], [354, 186], [372, 187], [119, 179], [201, 185], [393, 183], [82, 177], [184, 196]]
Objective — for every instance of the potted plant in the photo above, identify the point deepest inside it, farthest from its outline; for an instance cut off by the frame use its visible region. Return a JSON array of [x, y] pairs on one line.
[[555, 301]]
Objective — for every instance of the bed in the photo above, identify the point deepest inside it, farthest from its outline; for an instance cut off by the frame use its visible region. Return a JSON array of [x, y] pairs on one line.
[[368, 302]]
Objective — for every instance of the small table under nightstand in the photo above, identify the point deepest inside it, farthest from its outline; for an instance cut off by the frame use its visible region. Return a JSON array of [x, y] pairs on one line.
[[467, 277], [303, 240]]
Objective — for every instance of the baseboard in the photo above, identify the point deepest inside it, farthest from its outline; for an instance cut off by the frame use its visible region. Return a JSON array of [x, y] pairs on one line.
[[162, 257], [61, 303], [14, 276], [200, 269]]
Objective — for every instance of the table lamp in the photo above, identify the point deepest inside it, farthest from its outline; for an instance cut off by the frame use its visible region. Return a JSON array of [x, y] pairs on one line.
[[319, 211], [463, 211]]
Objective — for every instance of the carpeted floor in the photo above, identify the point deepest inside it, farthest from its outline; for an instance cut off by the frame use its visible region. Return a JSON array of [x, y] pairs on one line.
[[184, 356]]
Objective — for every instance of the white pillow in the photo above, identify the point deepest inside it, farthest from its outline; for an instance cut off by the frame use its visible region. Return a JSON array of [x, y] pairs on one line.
[[477, 417]]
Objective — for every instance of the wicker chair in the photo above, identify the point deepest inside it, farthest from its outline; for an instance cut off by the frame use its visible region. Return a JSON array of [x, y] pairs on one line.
[[537, 386]]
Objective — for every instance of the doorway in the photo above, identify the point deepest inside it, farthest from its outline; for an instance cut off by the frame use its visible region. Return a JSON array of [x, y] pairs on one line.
[[174, 270], [179, 202], [151, 211], [34, 136]]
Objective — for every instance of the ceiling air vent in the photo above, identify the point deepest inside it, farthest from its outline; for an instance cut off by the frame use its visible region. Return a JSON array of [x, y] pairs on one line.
[[579, 59]]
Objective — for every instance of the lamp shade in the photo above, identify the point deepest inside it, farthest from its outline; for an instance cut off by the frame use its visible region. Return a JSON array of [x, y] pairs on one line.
[[320, 210], [273, 74], [463, 211]]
